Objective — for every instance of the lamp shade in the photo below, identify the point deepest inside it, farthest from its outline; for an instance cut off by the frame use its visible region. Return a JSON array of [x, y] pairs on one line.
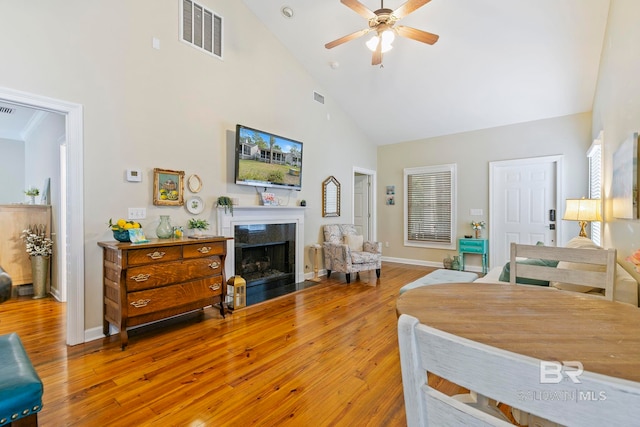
[[583, 210]]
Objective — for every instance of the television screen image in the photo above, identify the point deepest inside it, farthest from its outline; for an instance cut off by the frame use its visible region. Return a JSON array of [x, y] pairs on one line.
[[267, 160]]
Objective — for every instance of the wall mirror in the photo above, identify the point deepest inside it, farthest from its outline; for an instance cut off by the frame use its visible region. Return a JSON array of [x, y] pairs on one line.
[[194, 183], [331, 197]]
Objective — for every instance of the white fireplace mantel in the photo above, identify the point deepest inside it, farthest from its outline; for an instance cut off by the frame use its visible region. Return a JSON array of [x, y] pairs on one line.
[[247, 215]]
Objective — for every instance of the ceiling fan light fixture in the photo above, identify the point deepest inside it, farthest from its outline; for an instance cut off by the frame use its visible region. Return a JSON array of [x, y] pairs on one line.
[[372, 44]]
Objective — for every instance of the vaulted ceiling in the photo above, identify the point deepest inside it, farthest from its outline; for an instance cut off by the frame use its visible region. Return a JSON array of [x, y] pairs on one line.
[[497, 62]]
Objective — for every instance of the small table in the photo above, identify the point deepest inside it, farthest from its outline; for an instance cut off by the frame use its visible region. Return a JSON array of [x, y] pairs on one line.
[[534, 321], [474, 246]]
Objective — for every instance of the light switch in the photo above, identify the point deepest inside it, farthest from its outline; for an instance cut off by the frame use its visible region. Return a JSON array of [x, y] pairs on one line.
[[475, 212]]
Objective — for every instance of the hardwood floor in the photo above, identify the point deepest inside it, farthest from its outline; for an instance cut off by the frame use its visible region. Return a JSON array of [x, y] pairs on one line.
[[323, 356]]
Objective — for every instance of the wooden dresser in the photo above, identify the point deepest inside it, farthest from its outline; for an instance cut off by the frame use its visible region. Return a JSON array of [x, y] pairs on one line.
[[146, 282]]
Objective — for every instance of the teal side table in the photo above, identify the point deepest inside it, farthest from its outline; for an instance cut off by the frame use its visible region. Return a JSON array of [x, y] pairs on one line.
[[474, 246]]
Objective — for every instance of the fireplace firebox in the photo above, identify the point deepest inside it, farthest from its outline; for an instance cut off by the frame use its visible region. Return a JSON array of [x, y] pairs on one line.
[[264, 253]]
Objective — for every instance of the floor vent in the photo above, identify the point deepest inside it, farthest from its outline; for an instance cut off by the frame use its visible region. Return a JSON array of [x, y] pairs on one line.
[[318, 98], [201, 28], [6, 110]]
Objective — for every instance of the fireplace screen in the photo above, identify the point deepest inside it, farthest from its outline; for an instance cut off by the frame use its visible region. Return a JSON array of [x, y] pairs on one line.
[[265, 253]]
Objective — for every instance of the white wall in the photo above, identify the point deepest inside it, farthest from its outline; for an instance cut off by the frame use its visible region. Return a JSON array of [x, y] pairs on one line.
[[12, 171], [174, 108], [616, 111], [472, 151], [42, 152]]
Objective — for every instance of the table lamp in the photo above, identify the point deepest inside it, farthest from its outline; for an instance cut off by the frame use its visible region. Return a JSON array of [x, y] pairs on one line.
[[583, 211]]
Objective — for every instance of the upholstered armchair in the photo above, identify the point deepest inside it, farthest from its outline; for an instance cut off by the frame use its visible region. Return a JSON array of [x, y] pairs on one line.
[[346, 252]]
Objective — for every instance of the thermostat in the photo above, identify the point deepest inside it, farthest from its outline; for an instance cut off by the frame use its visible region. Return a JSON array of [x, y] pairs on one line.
[[134, 175]]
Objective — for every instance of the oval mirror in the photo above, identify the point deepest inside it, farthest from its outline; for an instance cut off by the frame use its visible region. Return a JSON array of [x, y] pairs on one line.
[[330, 197], [194, 183]]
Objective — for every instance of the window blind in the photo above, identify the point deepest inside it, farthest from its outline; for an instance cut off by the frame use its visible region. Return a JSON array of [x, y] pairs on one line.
[[595, 185], [430, 206]]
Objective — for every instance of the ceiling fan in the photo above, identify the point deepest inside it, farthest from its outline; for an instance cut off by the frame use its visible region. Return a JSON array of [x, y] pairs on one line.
[[382, 22]]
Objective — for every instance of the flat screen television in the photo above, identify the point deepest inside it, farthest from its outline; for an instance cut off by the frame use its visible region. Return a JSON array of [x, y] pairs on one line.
[[267, 160]]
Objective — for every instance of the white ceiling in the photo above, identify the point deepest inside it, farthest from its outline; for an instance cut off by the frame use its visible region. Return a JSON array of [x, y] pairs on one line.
[[15, 124], [497, 62]]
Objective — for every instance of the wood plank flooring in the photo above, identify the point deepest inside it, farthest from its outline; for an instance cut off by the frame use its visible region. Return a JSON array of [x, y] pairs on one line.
[[323, 356]]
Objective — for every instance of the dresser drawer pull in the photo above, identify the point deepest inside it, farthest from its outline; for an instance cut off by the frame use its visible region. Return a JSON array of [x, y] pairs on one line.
[[214, 265], [204, 249], [140, 303], [141, 277], [214, 287], [156, 255]]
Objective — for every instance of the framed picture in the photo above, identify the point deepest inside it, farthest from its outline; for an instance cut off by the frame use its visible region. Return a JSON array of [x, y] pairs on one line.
[[625, 179], [168, 187], [269, 199]]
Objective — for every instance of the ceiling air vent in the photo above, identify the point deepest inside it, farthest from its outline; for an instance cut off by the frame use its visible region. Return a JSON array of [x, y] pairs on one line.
[[201, 28], [318, 98], [6, 110]]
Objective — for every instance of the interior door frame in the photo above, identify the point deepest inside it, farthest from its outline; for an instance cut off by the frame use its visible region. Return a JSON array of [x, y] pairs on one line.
[[372, 198], [556, 160], [73, 114]]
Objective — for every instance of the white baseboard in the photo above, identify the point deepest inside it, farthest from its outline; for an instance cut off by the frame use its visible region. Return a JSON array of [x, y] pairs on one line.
[[476, 269]]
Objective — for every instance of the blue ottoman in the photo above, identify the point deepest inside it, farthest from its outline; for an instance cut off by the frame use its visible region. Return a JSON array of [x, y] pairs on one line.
[[441, 276], [20, 385]]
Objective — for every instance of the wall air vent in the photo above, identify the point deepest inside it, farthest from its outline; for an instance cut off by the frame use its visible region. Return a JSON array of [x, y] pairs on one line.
[[6, 110], [201, 28], [318, 98]]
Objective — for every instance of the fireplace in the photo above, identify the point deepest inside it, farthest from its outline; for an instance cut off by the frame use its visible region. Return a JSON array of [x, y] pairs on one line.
[[264, 253], [267, 249]]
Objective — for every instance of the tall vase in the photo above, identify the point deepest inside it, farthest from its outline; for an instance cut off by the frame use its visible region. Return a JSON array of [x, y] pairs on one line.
[[164, 230], [40, 273]]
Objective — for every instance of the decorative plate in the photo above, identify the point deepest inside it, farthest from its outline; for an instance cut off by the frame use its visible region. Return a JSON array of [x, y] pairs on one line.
[[195, 205]]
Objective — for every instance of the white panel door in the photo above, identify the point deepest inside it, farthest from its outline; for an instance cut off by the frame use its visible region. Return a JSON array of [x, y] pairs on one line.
[[523, 195], [361, 204]]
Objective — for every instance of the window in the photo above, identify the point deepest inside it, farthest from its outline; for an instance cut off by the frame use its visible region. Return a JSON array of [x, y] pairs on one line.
[[595, 184], [201, 28], [430, 206]]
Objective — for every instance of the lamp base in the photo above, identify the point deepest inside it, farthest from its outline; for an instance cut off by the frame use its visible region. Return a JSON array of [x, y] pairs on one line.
[[583, 231]]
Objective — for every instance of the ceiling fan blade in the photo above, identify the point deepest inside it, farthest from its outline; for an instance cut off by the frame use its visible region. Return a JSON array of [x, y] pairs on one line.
[[359, 8], [347, 38], [415, 34], [376, 59], [409, 7]]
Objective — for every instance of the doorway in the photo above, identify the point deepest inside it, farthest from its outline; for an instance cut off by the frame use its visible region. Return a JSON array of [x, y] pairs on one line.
[[523, 197], [364, 202], [72, 211]]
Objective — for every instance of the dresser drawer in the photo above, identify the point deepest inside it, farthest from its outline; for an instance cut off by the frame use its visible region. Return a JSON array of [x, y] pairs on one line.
[[168, 297], [473, 246], [152, 276], [151, 255], [204, 249]]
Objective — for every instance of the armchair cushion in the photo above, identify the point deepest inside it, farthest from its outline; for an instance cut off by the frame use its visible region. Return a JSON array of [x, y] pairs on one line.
[[354, 241]]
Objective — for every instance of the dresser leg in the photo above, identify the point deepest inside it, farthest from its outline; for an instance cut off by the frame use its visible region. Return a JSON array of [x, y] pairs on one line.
[[124, 337]]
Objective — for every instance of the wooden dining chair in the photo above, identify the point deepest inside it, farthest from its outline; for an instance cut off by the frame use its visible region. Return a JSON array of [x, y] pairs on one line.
[[578, 268], [565, 396]]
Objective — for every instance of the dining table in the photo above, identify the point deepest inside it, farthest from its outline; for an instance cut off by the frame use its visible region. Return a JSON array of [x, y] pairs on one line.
[[535, 321]]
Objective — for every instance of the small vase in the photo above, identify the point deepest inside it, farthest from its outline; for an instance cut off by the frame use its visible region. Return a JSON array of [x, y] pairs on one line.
[[196, 232], [455, 264], [478, 233], [40, 272], [32, 200], [164, 230]]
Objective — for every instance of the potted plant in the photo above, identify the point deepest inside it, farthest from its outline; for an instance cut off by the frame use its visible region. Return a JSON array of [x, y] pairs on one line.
[[32, 192], [39, 247], [197, 225], [226, 202]]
